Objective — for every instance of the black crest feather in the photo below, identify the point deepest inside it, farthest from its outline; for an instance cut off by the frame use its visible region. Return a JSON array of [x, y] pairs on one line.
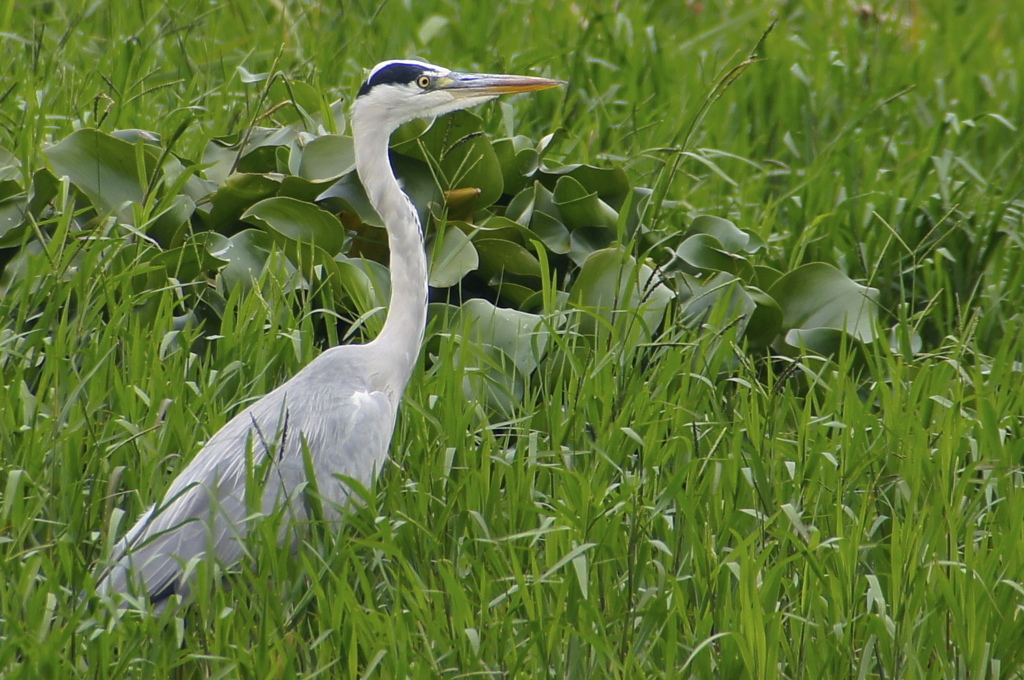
[[399, 73]]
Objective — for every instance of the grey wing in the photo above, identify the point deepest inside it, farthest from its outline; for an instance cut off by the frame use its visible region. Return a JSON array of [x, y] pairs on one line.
[[209, 505]]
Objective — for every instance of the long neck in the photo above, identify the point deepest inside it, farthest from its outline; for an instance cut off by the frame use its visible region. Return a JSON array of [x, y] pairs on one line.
[[402, 334]]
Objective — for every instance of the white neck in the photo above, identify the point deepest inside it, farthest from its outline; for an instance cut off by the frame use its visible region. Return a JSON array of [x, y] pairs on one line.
[[400, 340]]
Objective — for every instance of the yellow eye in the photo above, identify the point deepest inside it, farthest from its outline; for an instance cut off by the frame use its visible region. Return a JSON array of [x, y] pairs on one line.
[[423, 81]]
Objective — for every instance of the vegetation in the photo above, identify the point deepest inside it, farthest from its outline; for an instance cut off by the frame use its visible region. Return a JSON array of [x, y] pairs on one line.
[[721, 378]]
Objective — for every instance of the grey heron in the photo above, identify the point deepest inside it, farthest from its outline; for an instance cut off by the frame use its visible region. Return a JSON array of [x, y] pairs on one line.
[[336, 416]]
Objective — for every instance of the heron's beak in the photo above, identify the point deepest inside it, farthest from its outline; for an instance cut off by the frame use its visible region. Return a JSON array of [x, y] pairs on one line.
[[461, 85]]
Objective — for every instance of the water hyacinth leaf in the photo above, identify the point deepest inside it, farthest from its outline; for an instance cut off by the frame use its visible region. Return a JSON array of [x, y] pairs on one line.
[[418, 182], [348, 194], [166, 226], [520, 208], [104, 168], [239, 193], [499, 257], [765, 321], [500, 228], [520, 335], [585, 241], [720, 300], [518, 160], [132, 135], [367, 288], [554, 235], [817, 295], [705, 252], [327, 157], [514, 294], [302, 189], [297, 222], [303, 99], [191, 259], [246, 254], [463, 154], [610, 281], [12, 216], [452, 257], [10, 166], [731, 238], [765, 276], [582, 208], [608, 183], [827, 342], [490, 378], [254, 151]]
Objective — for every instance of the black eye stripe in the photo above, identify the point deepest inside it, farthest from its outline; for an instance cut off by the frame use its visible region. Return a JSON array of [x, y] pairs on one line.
[[392, 74]]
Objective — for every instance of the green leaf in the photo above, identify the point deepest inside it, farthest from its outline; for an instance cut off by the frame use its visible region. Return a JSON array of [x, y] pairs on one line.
[[327, 157], [765, 321], [555, 235], [191, 259], [453, 256], [705, 252], [298, 222], [463, 154], [12, 216], [582, 208], [719, 300], [104, 168], [585, 241], [499, 257], [520, 335], [817, 295], [731, 238], [239, 193], [610, 281], [348, 194], [608, 183], [518, 160], [246, 254]]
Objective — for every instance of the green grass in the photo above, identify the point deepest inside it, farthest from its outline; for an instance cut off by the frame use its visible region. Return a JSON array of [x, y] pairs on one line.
[[676, 509]]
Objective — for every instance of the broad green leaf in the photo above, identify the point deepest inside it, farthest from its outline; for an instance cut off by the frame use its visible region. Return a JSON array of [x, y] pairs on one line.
[[298, 222], [104, 168], [610, 281], [246, 255], [191, 259], [12, 216], [765, 321], [327, 157], [520, 335], [705, 252], [608, 183], [239, 193], [348, 194], [817, 295], [499, 257], [582, 208], [10, 166], [463, 154], [520, 208], [585, 241], [518, 160], [553, 234], [719, 300], [453, 256], [731, 238], [166, 225], [295, 93]]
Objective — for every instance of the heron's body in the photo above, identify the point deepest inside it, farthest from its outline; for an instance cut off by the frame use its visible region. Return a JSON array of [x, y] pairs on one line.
[[336, 415]]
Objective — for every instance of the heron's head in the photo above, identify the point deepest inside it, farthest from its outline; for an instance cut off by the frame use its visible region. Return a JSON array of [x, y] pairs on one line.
[[398, 91]]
